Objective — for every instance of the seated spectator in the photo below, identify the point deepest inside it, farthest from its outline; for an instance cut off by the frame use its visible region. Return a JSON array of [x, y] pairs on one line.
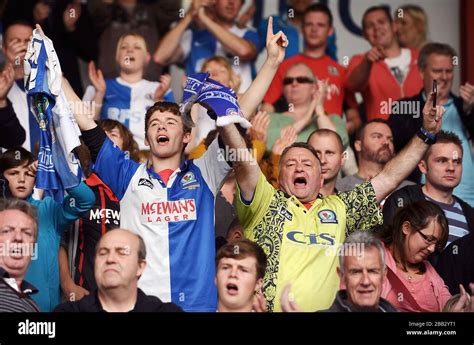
[[374, 147], [456, 263], [412, 26], [362, 271], [79, 243], [442, 166], [120, 260], [436, 63], [214, 33], [317, 27], [240, 267], [113, 19], [306, 112], [127, 97], [18, 233], [386, 72], [412, 283], [19, 168], [331, 154]]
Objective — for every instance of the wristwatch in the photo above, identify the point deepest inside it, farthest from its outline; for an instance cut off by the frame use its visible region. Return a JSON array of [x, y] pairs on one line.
[[426, 136]]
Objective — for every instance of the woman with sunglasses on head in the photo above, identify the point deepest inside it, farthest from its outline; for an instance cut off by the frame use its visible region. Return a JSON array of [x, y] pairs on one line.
[[412, 283], [305, 97]]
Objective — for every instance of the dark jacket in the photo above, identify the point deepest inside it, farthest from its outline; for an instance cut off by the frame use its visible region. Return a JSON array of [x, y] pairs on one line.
[[456, 263], [12, 134], [145, 303], [340, 305], [410, 194], [405, 126]]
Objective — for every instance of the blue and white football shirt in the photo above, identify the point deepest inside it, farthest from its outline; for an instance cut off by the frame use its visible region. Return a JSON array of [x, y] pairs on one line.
[[199, 45], [176, 221]]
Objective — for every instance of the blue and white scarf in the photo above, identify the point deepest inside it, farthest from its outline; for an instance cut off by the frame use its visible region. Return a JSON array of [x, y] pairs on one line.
[[220, 101], [58, 168]]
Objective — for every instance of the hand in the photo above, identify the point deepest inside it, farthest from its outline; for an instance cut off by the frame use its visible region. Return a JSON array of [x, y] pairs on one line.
[[319, 97], [466, 92], [375, 54], [276, 44], [432, 116], [466, 301], [97, 78], [40, 12], [287, 301], [287, 137], [74, 292], [33, 167], [259, 128], [259, 304], [243, 20], [198, 4], [16, 51], [71, 15], [165, 83], [6, 80]]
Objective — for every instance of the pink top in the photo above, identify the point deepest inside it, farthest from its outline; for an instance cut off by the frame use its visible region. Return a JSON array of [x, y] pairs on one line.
[[429, 292]]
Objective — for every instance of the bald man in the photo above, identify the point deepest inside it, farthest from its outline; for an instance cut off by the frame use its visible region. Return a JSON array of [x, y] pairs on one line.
[[119, 263]]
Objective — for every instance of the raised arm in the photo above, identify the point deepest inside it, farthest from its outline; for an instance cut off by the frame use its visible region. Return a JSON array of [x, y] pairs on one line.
[[169, 51], [247, 170], [97, 79], [397, 169], [232, 43], [359, 77], [276, 45], [82, 113]]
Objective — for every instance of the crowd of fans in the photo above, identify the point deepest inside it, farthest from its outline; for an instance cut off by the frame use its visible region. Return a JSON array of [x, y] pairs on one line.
[[341, 206]]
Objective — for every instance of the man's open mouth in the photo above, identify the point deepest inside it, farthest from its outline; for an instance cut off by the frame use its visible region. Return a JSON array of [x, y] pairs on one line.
[[300, 182], [232, 289], [163, 139]]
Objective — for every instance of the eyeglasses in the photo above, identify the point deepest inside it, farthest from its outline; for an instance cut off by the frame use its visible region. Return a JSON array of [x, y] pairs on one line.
[[430, 239], [300, 80]]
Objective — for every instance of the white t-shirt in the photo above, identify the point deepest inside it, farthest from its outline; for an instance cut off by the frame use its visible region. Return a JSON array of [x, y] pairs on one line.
[[400, 65]]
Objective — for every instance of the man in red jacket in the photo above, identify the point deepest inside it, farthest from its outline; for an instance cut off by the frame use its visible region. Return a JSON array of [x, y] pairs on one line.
[[386, 72]]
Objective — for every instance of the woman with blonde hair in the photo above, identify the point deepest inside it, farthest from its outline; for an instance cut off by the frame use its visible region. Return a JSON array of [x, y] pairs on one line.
[[412, 26]]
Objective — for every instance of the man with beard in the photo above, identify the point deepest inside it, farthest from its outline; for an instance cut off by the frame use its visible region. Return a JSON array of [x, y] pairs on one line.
[[374, 148], [442, 167], [328, 146]]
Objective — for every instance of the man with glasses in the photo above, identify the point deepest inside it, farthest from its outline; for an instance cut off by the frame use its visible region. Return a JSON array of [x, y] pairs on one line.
[[317, 27], [306, 112], [442, 167]]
